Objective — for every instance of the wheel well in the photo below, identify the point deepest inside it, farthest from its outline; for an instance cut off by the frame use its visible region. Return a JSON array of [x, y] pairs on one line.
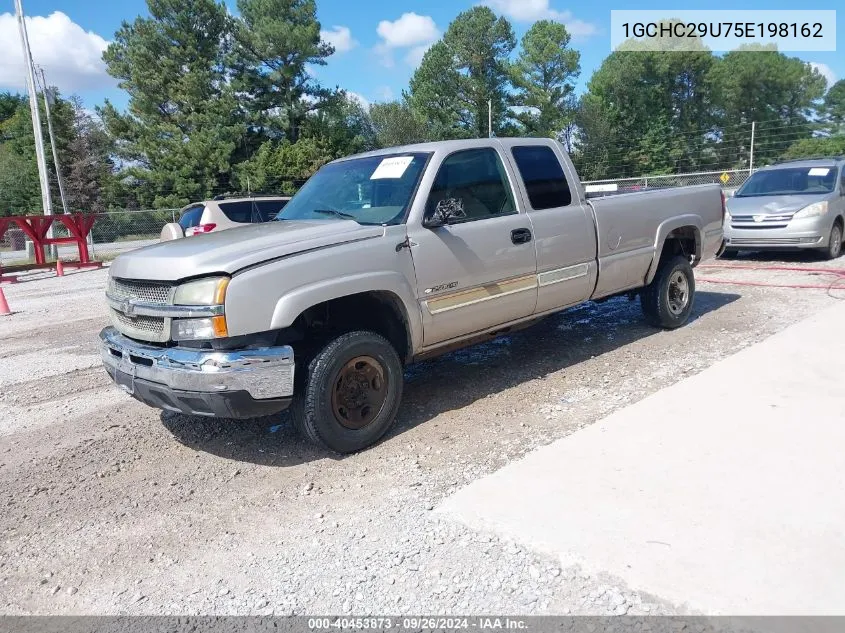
[[378, 311], [839, 221], [681, 241]]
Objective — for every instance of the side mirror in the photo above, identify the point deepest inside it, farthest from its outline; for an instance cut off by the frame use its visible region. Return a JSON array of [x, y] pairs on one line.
[[446, 211]]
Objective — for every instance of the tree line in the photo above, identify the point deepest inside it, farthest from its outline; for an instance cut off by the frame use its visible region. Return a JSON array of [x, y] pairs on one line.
[[221, 103]]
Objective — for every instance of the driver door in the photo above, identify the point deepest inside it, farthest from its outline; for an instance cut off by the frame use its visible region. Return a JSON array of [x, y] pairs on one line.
[[479, 270]]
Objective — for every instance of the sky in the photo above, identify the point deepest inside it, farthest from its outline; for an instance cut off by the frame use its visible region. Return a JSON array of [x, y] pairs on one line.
[[378, 43]]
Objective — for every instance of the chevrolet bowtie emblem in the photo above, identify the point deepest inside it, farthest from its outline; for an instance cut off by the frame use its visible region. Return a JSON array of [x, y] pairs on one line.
[[127, 307]]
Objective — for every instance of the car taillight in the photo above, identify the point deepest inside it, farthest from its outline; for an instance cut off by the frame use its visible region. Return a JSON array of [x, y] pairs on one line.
[[202, 228], [724, 206]]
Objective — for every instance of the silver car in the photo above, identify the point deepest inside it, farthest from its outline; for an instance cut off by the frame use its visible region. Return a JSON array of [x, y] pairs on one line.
[[222, 213], [793, 205]]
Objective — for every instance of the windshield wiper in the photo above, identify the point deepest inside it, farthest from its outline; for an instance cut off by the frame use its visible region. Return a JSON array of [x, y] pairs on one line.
[[336, 213]]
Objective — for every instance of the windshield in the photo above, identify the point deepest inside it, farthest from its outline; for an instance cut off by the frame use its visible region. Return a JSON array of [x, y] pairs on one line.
[[787, 181], [373, 190]]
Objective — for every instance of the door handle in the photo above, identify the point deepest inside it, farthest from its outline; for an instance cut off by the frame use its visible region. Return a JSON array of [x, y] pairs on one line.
[[520, 236]]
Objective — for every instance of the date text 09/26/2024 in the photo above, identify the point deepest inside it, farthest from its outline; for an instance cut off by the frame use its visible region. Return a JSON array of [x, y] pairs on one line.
[[417, 623]]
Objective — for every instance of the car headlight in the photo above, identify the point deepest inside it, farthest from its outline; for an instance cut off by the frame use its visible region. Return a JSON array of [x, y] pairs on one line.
[[198, 329], [203, 292], [814, 210]]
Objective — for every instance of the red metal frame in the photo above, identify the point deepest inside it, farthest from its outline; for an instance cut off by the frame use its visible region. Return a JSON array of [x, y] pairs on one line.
[[36, 228]]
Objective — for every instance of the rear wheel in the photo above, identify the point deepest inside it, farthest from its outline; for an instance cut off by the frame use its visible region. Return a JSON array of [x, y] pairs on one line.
[[834, 244], [667, 301], [349, 393]]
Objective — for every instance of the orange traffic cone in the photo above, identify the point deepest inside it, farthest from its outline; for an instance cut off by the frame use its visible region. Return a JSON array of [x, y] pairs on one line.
[[4, 305], [60, 268]]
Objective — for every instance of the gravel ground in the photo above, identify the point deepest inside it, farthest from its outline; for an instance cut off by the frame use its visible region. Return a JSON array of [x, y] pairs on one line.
[[110, 507]]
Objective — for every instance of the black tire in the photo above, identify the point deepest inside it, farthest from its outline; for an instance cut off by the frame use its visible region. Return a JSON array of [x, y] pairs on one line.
[[351, 369], [661, 299], [730, 253], [834, 244]]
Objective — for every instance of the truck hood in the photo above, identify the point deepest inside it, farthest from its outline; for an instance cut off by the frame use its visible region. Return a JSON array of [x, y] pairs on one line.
[[235, 249], [771, 205]]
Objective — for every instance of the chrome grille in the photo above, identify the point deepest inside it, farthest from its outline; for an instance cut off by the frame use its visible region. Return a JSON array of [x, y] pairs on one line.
[[145, 328], [774, 221], [146, 291]]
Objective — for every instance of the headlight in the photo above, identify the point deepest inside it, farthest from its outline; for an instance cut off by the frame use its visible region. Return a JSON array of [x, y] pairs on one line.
[[814, 210], [198, 329], [728, 217], [203, 292]]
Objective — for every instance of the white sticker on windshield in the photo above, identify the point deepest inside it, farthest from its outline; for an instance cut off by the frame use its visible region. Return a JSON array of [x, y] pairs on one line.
[[819, 171], [392, 167]]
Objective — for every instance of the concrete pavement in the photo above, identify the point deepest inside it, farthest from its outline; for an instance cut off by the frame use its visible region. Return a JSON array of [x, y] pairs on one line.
[[724, 493]]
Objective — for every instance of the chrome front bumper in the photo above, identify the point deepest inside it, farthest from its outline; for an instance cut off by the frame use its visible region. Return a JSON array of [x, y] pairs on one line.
[[264, 373]]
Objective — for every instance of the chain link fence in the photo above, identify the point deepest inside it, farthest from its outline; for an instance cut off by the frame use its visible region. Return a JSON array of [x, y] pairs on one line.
[[728, 179], [116, 232], [113, 233]]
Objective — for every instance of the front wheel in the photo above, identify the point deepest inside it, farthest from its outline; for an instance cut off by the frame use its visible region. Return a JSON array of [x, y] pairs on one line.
[[834, 244], [667, 301], [349, 393]]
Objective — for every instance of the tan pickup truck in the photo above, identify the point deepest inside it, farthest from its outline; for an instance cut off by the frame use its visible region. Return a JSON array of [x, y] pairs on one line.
[[382, 259]]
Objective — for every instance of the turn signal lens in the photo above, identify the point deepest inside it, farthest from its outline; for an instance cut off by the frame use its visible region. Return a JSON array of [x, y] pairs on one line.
[[218, 325]]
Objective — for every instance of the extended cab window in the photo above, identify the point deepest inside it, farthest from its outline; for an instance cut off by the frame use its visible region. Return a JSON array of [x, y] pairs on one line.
[[543, 176], [473, 184]]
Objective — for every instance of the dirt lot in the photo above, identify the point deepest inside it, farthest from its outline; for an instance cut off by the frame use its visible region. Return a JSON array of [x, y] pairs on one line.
[[110, 507]]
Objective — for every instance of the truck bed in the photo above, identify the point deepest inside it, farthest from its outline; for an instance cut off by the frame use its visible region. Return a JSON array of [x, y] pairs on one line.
[[631, 226]]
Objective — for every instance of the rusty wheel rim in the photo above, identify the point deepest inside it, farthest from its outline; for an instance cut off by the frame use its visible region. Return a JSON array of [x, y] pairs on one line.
[[359, 393]]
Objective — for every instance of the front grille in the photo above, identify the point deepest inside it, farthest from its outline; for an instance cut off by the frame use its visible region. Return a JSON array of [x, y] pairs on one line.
[[145, 291], [764, 241], [145, 328], [778, 221], [758, 227]]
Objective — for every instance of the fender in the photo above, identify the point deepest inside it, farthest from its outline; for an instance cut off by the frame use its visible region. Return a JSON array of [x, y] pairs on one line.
[[664, 229], [295, 302]]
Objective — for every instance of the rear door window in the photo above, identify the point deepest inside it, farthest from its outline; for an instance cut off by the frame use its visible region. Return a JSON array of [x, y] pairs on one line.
[[238, 211], [191, 217], [543, 176]]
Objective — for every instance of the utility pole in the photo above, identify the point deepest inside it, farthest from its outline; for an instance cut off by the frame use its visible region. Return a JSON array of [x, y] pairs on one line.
[[490, 118], [36, 117], [53, 142], [751, 159]]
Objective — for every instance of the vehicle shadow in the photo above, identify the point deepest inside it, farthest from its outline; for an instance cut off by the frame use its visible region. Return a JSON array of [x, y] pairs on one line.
[[804, 256], [449, 382]]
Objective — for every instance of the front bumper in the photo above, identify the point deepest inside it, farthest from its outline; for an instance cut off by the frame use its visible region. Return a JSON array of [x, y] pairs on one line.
[[234, 384], [802, 233]]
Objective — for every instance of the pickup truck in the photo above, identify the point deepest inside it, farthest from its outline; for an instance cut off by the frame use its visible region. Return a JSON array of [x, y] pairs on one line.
[[383, 259]]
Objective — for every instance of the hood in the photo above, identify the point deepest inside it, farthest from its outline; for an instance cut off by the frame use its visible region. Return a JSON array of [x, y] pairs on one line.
[[771, 205], [234, 249]]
